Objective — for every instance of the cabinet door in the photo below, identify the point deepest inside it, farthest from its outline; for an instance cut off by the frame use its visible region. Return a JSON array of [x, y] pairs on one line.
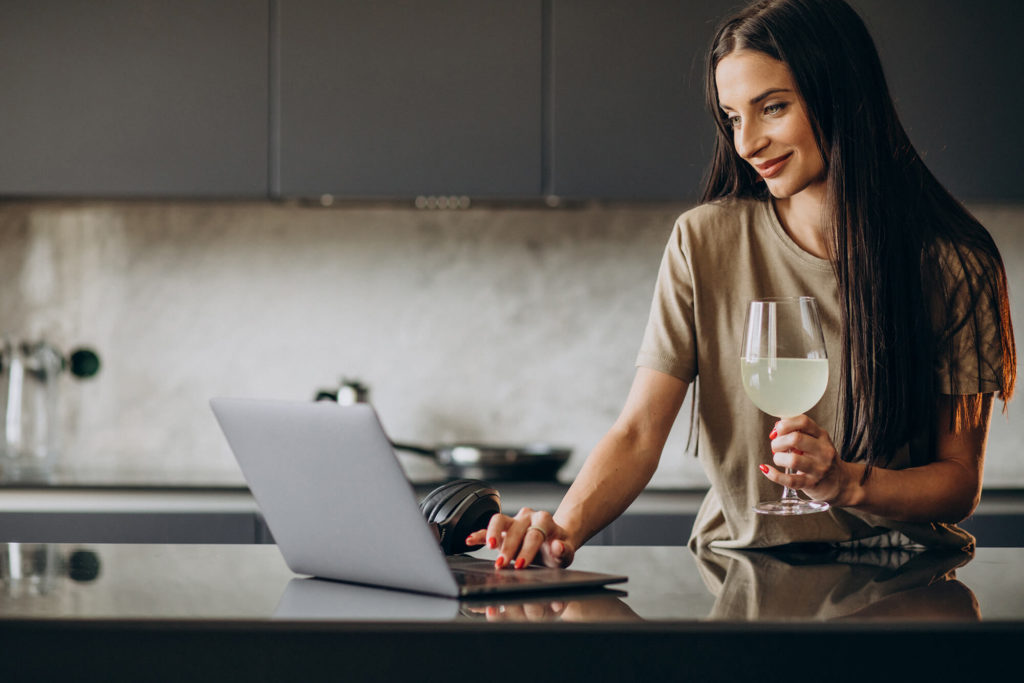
[[954, 70], [128, 98], [396, 98], [628, 98], [628, 114]]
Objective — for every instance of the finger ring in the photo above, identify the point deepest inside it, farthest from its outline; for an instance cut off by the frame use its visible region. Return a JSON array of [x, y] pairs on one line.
[[542, 532]]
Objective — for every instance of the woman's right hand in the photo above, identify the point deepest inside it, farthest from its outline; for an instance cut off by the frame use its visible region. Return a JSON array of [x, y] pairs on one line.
[[529, 537]]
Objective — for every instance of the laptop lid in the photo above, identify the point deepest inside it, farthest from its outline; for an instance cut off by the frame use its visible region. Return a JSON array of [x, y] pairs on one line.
[[333, 493], [339, 506]]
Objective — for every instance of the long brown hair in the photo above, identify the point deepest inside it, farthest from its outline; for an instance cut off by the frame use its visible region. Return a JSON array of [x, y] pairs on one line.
[[899, 241]]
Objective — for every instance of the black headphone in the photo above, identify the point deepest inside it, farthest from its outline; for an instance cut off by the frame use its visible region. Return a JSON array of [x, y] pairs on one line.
[[458, 508]]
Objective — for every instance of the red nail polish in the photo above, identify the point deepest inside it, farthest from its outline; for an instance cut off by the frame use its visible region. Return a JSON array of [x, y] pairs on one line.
[[520, 563], [500, 562], [492, 543], [764, 468], [774, 434]]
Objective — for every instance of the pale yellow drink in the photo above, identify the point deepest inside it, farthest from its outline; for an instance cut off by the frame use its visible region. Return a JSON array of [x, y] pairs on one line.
[[785, 387]]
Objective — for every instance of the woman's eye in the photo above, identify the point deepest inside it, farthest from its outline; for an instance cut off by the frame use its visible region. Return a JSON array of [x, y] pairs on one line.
[[774, 109], [733, 122]]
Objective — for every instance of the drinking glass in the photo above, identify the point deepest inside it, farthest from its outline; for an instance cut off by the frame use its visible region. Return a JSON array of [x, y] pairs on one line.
[[785, 372]]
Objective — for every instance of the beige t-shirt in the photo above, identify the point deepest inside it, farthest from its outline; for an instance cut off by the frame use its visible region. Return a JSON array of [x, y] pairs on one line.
[[719, 257]]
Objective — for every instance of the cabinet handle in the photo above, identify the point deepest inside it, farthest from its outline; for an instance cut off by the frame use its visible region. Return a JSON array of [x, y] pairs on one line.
[[443, 202]]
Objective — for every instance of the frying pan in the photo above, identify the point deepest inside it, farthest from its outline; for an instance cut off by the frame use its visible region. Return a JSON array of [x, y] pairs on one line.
[[533, 462]]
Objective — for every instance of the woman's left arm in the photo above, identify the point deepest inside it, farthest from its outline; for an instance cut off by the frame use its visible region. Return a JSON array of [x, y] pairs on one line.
[[946, 490]]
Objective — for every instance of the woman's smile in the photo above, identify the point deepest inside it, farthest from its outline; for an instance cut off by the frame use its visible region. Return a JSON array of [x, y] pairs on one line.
[[772, 167]]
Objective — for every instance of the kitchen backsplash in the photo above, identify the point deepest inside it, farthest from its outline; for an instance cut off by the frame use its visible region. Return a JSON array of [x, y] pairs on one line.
[[489, 324]]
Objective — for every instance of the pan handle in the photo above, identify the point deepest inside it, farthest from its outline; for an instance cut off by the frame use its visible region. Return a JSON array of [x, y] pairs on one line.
[[411, 448]]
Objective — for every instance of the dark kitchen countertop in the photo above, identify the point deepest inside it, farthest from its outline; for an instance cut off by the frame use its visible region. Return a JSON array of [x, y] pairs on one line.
[[216, 516], [147, 507], [209, 610], [118, 489], [181, 486], [150, 507], [515, 494], [84, 478]]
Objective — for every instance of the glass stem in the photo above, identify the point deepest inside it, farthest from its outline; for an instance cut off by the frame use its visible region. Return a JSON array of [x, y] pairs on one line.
[[788, 493]]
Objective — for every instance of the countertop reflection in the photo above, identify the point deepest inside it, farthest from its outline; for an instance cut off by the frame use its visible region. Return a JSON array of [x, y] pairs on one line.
[[666, 584]]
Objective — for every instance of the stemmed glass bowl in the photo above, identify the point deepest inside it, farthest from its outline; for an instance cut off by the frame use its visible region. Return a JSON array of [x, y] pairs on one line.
[[785, 372]]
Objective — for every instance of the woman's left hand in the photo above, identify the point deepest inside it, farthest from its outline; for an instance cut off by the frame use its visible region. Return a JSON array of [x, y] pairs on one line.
[[801, 445]]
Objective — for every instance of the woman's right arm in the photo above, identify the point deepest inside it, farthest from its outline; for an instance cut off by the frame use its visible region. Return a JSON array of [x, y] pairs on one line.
[[614, 474]]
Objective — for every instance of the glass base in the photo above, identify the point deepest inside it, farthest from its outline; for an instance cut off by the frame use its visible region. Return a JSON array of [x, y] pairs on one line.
[[790, 506]]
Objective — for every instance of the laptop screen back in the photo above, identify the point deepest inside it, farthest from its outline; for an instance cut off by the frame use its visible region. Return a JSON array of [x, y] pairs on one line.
[[333, 493]]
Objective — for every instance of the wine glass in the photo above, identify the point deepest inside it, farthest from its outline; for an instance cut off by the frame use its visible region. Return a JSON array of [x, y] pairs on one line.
[[785, 372]]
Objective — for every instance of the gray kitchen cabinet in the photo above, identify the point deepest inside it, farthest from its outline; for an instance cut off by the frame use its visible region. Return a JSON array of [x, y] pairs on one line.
[[627, 103], [393, 99], [628, 118], [650, 529], [954, 70], [132, 514], [518, 99], [136, 527], [128, 514], [122, 98]]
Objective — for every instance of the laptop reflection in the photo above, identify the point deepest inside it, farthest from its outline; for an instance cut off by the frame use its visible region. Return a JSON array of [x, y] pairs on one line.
[[312, 599]]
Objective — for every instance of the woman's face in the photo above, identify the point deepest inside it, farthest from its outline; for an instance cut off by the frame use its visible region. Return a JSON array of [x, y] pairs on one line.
[[768, 117]]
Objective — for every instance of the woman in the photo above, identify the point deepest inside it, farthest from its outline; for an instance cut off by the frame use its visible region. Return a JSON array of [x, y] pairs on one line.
[[814, 188]]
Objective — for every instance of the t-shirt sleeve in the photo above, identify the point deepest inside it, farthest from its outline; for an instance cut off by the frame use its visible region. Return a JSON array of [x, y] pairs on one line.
[[969, 359], [669, 342]]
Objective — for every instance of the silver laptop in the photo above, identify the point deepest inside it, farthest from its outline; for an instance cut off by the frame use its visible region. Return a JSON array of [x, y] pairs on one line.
[[339, 506]]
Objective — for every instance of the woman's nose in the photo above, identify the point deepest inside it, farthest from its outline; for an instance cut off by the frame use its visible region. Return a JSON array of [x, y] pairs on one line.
[[750, 139]]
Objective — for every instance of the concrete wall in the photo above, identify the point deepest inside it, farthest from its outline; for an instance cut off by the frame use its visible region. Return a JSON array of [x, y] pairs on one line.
[[487, 324]]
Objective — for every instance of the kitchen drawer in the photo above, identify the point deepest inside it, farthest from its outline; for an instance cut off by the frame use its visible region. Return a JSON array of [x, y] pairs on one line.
[[119, 527], [657, 517], [85, 515]]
